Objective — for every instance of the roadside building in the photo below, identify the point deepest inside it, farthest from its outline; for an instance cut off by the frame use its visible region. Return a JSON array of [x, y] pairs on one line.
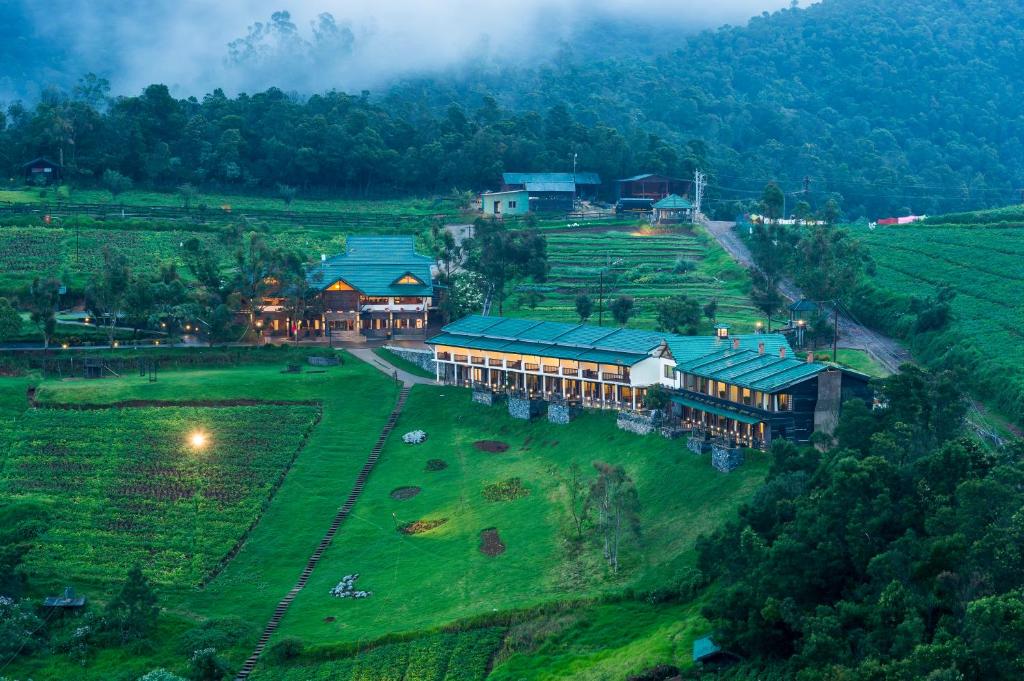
[[651, 186], [740, 391], [42, 171], [498, 204], [553, 192], [673, 209]]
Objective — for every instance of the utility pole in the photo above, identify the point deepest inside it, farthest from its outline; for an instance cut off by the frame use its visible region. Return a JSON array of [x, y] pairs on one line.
[[835, 331], [699, 182], [600, 302], [807, 186]]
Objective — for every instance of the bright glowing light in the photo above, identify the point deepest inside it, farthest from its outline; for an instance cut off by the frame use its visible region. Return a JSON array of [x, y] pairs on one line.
[[198, 439]]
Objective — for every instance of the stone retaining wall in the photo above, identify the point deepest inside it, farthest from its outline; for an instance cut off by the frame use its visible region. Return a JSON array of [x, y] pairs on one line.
[[487, 397], [562, 413], [424, 359], [520, 408], [726, 459], [640, 423]]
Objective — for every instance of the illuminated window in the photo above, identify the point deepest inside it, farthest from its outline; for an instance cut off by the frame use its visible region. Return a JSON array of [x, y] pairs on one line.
[[340, 286], [409, 279]]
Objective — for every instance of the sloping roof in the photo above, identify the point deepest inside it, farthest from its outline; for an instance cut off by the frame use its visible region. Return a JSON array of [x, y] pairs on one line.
[[577, 178], [750, 369], [704, 647], [716, 410], [644, 176], [587, 342], [372, 265], [803, 305], [567, 187], [41, 159], [673, 201]]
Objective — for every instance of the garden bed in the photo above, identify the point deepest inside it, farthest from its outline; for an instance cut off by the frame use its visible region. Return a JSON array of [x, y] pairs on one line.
[[436, 465], [403, 493], [505, 490], [421, 526], [491, 446], [490, 542]]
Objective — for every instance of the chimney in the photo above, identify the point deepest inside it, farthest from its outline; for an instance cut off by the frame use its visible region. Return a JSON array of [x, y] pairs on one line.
[[735, 343], [810, 357], [760, 348], [782, 353]]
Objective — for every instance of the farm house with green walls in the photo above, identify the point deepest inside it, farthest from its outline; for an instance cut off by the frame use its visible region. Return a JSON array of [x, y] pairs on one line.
[[745, 389]]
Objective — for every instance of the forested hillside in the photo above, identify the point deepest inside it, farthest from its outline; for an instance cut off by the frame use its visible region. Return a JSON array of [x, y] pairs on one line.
[[893, 107]]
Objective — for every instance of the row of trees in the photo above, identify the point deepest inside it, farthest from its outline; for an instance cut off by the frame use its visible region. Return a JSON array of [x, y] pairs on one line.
[[675, 314]]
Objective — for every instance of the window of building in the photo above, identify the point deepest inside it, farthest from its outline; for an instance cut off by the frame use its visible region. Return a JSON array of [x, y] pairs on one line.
[[511, 204], [376, 300], [785, 402], [409, 279], [669, 371], [419, 323], [409, 300]]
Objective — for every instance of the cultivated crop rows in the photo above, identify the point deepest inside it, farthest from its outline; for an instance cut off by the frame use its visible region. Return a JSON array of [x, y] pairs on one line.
[[462, 656], [127, 485], [638, 264]]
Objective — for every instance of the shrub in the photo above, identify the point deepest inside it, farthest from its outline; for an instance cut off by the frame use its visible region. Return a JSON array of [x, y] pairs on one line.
[[506, 490], [288, 648], [205, 665], [160, 675], [214, 633]]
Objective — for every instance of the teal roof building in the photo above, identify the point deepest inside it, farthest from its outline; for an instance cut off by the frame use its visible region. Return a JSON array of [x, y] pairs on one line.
[[377, 266]]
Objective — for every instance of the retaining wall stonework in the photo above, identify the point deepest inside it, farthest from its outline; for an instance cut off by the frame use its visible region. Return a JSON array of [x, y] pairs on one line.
[[641, 423], [726, 459], [487, 397], [562, 413], [519, 408], [424, 359]]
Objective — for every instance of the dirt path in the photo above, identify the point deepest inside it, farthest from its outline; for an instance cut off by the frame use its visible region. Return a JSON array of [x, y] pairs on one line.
[[852, 334]]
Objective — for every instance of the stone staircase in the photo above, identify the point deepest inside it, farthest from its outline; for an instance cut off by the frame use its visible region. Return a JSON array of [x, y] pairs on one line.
[[339, 518]]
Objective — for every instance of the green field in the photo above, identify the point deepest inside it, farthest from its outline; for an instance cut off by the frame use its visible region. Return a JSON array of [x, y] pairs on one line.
[[982, 262], [639, 262], [421, 582], [135, 197]]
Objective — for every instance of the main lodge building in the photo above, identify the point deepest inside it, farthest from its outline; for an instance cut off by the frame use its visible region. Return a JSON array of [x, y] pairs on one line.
[[747, 389]]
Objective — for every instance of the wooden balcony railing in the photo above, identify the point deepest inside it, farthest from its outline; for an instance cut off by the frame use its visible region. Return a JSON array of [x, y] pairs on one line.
[[477, 360], [617, 378], [461, 358], [550, 369], [444, 356], [570, 372], [494, 362], [518, 364], [533, 367], [589, 373]]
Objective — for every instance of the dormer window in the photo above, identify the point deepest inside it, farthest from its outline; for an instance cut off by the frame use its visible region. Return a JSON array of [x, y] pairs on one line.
[[408, 280], [722, 330]]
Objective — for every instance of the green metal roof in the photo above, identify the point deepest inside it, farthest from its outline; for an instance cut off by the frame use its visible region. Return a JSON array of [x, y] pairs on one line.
[[704, 647], [373, 265], [719, 411], [577, 178], [673, 202], [686, 348], [746, 368]]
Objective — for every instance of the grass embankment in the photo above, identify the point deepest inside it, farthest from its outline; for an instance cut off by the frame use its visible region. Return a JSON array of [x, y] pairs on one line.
[[403, 364], [639, 261], [424, 581], [979, 256], [355, 400]]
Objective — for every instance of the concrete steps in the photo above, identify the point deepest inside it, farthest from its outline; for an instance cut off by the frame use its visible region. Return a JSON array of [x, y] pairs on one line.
[[339, 518]]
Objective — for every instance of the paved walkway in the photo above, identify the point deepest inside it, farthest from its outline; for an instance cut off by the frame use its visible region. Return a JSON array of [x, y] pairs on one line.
[[339, 518], [407, 379], [852, 334]]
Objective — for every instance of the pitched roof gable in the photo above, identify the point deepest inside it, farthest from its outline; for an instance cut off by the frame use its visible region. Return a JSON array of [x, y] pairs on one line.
[[374, 265]]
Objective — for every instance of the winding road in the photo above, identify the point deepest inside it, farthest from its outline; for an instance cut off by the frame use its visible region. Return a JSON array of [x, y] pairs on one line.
[[852, 334]]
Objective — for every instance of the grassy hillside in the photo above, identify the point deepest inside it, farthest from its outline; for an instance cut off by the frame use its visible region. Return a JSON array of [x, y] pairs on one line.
[[980, 256], [421, 582], [640, 262]]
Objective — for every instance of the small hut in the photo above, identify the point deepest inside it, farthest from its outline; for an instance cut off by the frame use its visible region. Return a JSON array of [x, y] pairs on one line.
[[42, 170], [69, 600], [673, 209]]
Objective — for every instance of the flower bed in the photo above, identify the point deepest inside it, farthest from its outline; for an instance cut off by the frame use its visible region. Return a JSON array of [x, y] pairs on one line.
[[421, 526], [490, 542], [492, 446], [506, 490], [403, 493]]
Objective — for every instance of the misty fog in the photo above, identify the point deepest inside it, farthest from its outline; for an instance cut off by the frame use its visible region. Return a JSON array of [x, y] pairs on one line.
[[196, 45]]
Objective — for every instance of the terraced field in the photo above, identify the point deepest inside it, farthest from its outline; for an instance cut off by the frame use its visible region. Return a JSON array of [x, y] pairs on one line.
[[985, 265], [640, 263]]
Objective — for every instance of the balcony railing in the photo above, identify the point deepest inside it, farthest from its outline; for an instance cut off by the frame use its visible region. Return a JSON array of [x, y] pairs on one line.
[[461, 358], [550, 369], [566, 371], [518, 364], [477, 360], [494, 362], [617, 378], [533, 367], [444, 356], [589, 373]]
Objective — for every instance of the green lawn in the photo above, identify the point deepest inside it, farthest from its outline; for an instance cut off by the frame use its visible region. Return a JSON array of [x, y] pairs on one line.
[[858, 360], [403, 364], [423, 581], [639, 262]]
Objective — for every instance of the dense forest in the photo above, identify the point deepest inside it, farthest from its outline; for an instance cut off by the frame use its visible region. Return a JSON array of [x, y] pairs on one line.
[[891, 553], [884, 107]]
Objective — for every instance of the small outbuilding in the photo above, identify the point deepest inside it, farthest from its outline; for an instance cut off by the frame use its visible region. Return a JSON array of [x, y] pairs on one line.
[[707, 652], [673, 209], [69, 600], [42, 171], [651, 186], [497, 204]]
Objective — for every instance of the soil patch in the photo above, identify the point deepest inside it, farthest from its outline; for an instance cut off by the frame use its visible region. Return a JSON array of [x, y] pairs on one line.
[[506, 490], [403, 493], [490, 542], [330, 618], [437, 465], [421, 526], [492, 446]]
